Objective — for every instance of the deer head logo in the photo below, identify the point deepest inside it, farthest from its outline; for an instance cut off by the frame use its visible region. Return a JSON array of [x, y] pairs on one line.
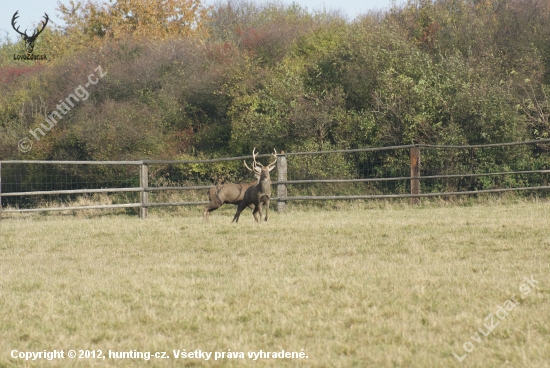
[[29, 40]]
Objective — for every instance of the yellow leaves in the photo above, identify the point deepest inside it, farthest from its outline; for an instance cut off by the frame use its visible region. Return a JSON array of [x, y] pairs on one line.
[[156, 19], [88, 21]]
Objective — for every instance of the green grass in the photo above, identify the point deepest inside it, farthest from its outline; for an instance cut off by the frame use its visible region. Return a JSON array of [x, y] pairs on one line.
[[394, 286]]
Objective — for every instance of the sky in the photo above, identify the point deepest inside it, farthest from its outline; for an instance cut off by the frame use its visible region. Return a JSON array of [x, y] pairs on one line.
[[31, 12]]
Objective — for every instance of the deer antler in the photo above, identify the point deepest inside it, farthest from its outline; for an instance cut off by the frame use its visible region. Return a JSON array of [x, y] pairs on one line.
[[274, 161], [254, 154], [256, 171], [244, 162], [255, 164]]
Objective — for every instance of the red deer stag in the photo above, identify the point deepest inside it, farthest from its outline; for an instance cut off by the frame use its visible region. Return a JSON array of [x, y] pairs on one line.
[[260, 193], [227, 193]]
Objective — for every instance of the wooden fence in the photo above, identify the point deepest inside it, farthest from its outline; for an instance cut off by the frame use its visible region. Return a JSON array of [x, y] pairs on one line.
[[281, 183]]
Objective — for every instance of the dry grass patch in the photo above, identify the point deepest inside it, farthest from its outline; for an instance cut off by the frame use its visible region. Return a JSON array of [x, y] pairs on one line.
[[368, 288]]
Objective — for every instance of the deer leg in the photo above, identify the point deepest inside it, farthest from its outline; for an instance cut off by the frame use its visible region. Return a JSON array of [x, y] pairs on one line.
[[207, 211], [212, 206], [260, 211], [257, 208], [240, 209], [264, 199]]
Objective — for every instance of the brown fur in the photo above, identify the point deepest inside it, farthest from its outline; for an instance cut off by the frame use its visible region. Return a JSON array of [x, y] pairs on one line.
[[257, 195], [225, 193]]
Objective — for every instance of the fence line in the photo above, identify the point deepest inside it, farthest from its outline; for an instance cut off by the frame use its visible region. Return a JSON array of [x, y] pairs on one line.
[[415, 195], [277, 182], [75, 191], [313, 181], [282, 196], [96, 207]]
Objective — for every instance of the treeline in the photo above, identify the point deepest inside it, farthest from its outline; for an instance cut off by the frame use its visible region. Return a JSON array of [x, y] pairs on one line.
[[188, 81]]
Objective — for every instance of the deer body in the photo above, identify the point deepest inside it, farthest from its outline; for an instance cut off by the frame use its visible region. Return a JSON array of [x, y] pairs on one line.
[[259, 194], [229, 193], [225, 193]]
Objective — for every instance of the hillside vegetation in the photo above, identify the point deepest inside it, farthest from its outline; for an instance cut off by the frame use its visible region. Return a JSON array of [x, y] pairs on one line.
[[182, 81]]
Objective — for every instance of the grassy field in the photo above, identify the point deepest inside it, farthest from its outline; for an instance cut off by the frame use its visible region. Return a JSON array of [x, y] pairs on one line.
[[393, 286]]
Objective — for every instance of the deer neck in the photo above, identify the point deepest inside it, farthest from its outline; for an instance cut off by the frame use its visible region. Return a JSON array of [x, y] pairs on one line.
[[265, 185]]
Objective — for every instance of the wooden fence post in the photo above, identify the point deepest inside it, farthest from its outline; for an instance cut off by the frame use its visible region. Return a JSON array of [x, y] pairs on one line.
[[415, 173], [281, 176], [144, 195]]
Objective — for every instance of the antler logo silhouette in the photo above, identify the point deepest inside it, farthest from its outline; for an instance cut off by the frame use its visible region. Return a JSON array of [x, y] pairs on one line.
[[29, 40]]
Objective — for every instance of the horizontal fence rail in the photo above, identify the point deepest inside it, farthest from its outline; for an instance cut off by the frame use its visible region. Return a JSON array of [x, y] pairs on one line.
[[310, 198], [73, 208], [81, 191], [408, 171]]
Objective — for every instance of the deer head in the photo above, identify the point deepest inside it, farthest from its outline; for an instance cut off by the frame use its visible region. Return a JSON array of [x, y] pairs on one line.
[[29, 40], [258, 168]]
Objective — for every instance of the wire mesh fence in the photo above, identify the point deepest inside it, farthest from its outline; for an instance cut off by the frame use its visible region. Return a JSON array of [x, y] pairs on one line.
[[349, 173], [450, 169], [443, 169], [343, 174], [36, 183]]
